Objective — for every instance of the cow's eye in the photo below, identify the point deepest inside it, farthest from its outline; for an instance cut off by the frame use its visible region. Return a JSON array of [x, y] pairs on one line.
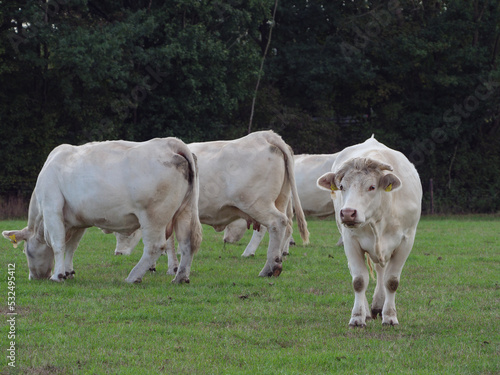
[[371, 188], [341, 187]]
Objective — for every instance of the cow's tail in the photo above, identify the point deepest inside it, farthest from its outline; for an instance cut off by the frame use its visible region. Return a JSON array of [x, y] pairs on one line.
[[289, 166], [370, 265], [192, 197]]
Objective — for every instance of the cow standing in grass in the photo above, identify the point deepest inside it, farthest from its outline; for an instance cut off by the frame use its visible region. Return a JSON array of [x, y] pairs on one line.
[[117, 186], [377, 204], [314, 202], [250, 178]]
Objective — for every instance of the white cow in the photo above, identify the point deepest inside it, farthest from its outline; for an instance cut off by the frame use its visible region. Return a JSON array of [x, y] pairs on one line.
[[377, 203], [117, 186], [314, 202], [308, 168], [250, 178]]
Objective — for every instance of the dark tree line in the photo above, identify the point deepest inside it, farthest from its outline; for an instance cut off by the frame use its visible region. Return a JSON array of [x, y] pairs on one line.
[[422, 76]]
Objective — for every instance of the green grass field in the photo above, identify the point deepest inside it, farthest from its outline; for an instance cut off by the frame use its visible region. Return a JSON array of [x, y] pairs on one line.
[[230, 321]]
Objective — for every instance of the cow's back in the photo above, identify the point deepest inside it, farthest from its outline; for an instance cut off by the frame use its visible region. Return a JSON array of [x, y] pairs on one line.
[[102, 181], [232, 172]]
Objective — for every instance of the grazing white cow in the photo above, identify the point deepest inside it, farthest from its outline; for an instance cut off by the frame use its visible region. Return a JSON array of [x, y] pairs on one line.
[[250, 178], [314, 202], [377, 203], [118, 186]]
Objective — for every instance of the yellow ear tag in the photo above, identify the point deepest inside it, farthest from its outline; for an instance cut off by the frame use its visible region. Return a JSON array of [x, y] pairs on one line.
[[388, 188], [13, 240], [333, 187]]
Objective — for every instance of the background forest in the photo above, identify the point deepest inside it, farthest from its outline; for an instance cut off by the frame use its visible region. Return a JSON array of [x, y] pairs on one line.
[[423, 76]]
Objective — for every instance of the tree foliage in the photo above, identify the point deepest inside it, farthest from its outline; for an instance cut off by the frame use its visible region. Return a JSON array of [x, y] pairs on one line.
[[422, 76]]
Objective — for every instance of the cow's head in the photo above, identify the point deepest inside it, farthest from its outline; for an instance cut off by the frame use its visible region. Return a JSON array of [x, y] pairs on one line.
[[361, 184], [40, 256]]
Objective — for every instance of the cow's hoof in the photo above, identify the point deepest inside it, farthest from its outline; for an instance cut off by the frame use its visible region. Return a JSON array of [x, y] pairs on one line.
[[134, 281], [57, 278], [285, 253], [277, 270], [118, 253], [390, 322], [357, 322], [181, 280], [172, 271], [153, 269], [376, 312], [70, 275]]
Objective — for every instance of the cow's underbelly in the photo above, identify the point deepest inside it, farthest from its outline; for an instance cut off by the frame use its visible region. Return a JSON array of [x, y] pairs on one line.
[[108, 220], [219, 218], [127, 225]]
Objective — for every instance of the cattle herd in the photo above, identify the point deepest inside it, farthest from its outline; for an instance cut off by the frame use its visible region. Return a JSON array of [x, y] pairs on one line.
[[162, 187]]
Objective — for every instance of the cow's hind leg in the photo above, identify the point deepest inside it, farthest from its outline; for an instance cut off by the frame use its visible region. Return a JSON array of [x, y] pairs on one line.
[[173, 262], [276, 228], [188, 243], [154, 244], [379, 294]]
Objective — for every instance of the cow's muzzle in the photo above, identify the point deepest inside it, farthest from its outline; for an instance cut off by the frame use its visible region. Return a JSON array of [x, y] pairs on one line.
[[349, 217]]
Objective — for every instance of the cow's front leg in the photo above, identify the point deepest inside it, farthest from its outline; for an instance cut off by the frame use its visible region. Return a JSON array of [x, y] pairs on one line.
[[71, 247], [255, 241], [273, 266], [55, 235], [391, 280], [360, 279], [360, 312], [59, 267], [286, 244]]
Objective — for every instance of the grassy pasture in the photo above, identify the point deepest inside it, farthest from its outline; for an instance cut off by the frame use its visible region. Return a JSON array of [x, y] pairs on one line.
[[230, 321]]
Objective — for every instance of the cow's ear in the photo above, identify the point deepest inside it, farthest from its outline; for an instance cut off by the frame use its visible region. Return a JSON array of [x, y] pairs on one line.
[[390, 182], [327, 182], [16, 236]]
